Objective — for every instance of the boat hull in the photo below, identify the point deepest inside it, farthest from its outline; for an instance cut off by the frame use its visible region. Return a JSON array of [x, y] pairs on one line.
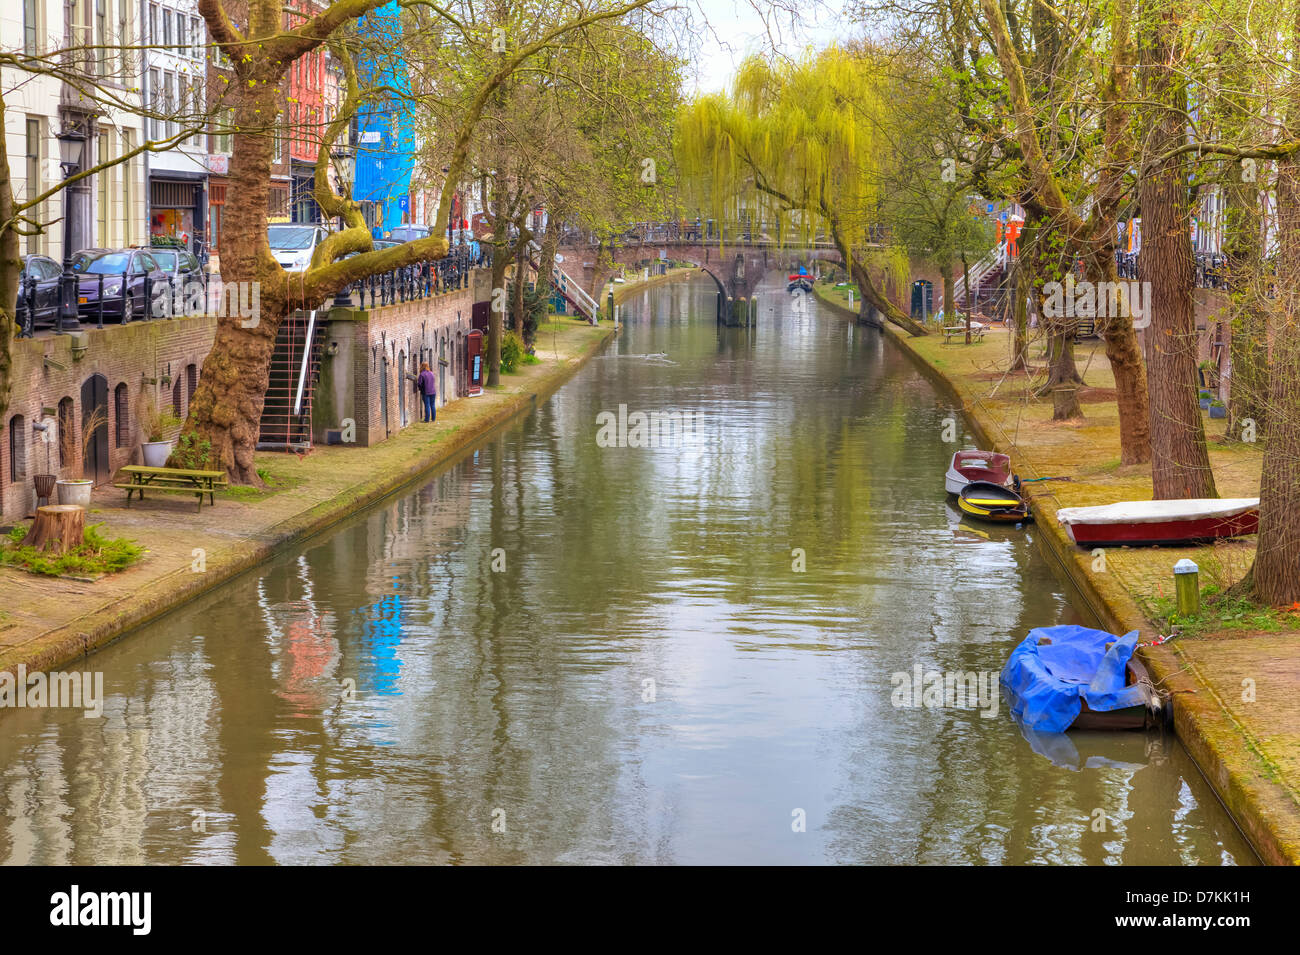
[[969, 466], [1164, 533], [992, 503]]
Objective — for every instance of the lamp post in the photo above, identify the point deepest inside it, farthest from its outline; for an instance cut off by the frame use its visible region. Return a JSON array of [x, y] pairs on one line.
[[72, 143], [345, 169]]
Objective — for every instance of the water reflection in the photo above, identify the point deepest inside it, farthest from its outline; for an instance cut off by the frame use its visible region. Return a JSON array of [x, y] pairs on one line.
[[557, 652]]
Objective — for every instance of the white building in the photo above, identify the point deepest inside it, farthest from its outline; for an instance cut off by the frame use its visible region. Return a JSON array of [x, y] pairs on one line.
[[106, 209], [175, 85]]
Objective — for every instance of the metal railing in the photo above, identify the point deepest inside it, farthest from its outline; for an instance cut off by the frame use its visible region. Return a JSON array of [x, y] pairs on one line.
[[419, 281]]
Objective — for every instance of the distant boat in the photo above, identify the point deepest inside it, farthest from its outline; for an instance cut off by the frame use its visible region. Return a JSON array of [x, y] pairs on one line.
[[1165, 523], [1074, 678], [971, 465], [986, 501], [803, 282]]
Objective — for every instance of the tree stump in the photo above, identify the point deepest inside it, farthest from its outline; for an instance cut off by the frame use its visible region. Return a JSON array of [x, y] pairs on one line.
[[58, 527]]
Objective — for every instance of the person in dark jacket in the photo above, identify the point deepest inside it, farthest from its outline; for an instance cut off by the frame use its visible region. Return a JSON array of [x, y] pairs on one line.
[[427, 385]]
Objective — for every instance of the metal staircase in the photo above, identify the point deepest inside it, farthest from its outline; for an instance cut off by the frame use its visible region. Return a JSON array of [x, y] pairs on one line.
[[295, 368]]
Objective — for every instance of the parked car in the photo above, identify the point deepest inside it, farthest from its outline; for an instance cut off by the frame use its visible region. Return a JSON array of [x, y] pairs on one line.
[[181, 267], [39, 281], [134, 266], [292, 244], [409, 232]]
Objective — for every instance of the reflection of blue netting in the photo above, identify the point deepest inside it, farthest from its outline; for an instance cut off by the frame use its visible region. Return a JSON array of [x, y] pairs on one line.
[[1049, 683], [381, 635]]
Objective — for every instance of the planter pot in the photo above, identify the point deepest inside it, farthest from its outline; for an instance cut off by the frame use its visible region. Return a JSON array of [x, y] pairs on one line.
[[1218, 412], [1205, 404], [156, 453], [75, 492]]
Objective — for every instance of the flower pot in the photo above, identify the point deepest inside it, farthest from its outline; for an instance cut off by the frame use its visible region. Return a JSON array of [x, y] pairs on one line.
[[1205, 404], [75, 492], [156, 453], [1218, 411], [44, 487]]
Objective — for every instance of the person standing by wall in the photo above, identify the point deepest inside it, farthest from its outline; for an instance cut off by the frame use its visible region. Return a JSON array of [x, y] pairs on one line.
[[427, 385]]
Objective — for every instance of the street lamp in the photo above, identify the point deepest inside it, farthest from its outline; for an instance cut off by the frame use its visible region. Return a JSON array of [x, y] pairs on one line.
[[72, 143], [345, 170]]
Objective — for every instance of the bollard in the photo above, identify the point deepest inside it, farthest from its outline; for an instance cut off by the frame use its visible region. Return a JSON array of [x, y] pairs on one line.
[[611, 303], [1187, 587]]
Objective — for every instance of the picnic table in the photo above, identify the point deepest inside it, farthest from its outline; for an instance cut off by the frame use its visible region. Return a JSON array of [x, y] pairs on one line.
[[139, 477], [952, 331]]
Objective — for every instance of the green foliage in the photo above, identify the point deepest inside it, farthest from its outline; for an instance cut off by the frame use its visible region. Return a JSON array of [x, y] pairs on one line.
[[96, 555], [192, 454], [1219, 612], [512, 353]]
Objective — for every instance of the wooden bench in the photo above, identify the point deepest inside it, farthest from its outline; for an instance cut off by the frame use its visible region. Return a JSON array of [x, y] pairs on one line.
[[173, 480], [952, 331]]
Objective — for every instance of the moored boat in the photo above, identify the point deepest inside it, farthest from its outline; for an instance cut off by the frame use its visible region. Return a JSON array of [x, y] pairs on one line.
[[991, 502], [1075, 678], [974, 465], [1167, 523]]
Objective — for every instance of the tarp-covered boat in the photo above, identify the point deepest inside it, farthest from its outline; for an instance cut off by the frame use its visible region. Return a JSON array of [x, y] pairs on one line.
[[991, 502], [800, 280], [972, 465], [1195, 520], [1071, 677]]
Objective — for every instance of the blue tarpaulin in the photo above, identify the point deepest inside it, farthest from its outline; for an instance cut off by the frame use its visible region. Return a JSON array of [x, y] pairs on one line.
[[1048, 683]]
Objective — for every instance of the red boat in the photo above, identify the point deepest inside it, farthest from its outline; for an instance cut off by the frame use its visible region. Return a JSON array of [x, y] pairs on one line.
[[1166, 523], [971, 465]]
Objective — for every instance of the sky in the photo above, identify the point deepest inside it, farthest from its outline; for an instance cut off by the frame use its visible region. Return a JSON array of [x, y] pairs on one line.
[[738, 29]]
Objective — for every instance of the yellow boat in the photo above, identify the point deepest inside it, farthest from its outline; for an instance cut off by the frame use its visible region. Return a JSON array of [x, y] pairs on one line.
[[986, 501]]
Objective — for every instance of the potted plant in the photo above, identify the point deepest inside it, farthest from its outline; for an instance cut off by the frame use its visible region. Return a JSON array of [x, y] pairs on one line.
[[76, 487], [1218, 409], [156, 425], [1206, 398]]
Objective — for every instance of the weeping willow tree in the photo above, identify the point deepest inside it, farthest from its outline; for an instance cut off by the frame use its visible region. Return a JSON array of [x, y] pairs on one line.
[[793, 138]]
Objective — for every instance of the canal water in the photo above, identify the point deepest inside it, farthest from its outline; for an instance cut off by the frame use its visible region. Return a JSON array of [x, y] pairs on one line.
[[568, 648]]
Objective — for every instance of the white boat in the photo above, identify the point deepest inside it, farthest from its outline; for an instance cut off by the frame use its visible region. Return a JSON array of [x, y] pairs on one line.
[[975, 465], [1137, 523]]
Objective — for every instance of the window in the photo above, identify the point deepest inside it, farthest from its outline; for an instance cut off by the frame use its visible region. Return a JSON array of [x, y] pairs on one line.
[[128, 187], [105, 220], [124, 35], [169, 103], [167, 27], [17, 449], [196, 38], [191, 382], [277, 152], [226, 119], [31, 32], [33, 177], [155, 106], [101, 36], [122, 415], [182, 35], [67, 433], [153, 24]]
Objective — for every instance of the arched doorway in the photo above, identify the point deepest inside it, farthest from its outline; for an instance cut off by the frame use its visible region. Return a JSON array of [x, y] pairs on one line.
[[94, 414]]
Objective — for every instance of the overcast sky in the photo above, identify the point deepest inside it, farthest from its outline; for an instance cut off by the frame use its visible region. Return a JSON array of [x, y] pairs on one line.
[[738, 29]]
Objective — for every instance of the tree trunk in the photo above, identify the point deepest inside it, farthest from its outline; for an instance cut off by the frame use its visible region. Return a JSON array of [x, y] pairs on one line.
[[1276, 571], [1063, 378], [1020, 322], [496, 314], [226, 409], [1180, 463], [58, 527], [10, 278], [521, 276], [949, 290]]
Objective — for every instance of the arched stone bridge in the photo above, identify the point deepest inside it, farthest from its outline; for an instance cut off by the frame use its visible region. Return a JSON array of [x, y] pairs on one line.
[[735, 266]]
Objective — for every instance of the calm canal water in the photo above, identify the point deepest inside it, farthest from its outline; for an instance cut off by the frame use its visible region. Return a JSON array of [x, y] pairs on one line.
[[649, 678]]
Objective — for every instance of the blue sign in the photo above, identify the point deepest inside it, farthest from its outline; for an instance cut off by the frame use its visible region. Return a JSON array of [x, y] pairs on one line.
[[989, 208], [404, 203]]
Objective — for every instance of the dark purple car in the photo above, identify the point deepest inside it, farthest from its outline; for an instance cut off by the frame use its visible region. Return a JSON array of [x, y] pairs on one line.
[[109, 270], [38, 293]]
